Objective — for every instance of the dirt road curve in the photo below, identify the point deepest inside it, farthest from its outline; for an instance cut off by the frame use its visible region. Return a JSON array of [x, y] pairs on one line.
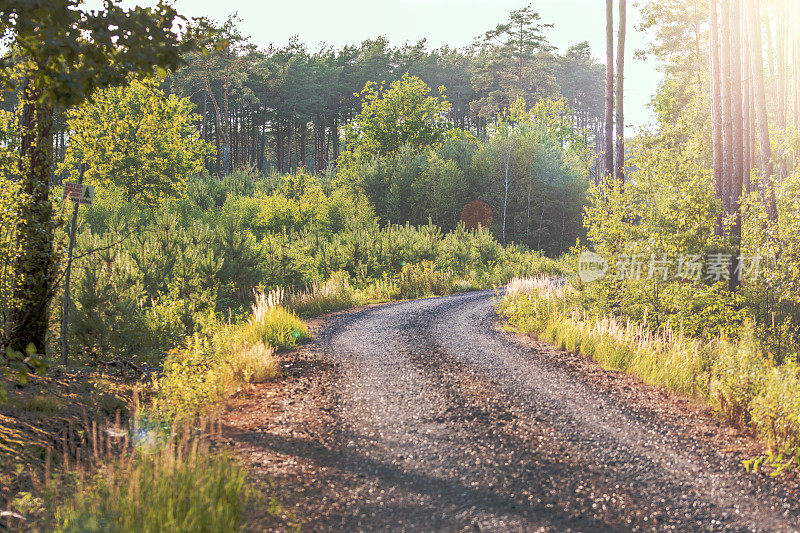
[[422, 416]]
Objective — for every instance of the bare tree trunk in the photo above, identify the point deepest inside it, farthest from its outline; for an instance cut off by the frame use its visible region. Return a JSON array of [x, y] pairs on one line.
[[608, 153], [302, 157], [770, 50], [620, 153], [716, 106], [753, 121], [323, 146], [736, 104], [335, 138], [796, 64], [290, 142], [276, 128], [699, 58], [757, 67], [737, 178], [781, 44], [727, 103], [226, 146], [505, 198], [747, 150], [221, 126]]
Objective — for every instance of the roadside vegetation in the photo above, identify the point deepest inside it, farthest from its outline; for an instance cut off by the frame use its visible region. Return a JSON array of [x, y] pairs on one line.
[[730, 374], [696, 287]]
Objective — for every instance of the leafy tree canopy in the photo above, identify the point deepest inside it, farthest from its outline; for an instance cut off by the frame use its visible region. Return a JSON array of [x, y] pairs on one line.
[[69, 52], [137, 139], [405, 114]]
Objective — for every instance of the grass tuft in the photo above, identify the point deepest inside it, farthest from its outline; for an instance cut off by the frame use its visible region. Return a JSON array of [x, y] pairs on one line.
[[178, 484]]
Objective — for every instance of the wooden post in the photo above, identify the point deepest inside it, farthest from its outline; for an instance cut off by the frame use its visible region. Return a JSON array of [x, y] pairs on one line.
[[67, 274]]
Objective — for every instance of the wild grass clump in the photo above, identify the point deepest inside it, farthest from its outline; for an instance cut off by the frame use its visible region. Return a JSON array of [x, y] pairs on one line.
[[385, 289], [335, 294], [423, 280], [129, 479], [272, 324], [542, 285], [197, 379], [161, 491], [744, 386]]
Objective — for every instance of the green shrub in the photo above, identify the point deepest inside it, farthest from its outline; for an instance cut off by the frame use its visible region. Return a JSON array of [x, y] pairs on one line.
[[319, 298], [422, 280]]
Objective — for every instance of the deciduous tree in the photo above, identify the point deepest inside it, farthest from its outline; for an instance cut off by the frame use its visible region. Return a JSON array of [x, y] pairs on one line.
[[59, 54]]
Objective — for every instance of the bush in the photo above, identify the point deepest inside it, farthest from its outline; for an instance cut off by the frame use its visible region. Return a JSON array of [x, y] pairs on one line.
[[274, 326]]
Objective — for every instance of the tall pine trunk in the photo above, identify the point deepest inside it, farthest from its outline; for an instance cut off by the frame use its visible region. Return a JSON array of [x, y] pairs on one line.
[[757, 69], [620, 151], [796, 64], [727, 103], [716, 107], [608, 152], [747, 122], [783, 85], [737, 120]]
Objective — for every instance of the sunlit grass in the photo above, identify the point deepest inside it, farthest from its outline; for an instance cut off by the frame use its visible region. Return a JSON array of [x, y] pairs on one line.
[[333, 295], [272, 324], [130, 481]]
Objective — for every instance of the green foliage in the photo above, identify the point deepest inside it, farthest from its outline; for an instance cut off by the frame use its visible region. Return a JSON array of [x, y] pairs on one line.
[[140, 291], [422, 280], [703, 311], [274, 326], [667, 211], [138, 140], [537, 168], [405, 114], [9, 243], [20, 364], [291, 93], [214, 366], [72, 52], [532, 172], [57, 54], [513, 63], [146, 283], [335, 294]]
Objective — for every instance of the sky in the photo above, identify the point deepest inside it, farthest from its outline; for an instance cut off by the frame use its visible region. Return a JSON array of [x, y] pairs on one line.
[[452, 22]]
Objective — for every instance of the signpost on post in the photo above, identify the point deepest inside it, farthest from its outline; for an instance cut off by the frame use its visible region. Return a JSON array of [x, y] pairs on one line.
[[80, 194]]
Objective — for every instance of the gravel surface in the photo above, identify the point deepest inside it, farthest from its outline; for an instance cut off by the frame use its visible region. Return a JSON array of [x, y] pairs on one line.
[[421, 415]]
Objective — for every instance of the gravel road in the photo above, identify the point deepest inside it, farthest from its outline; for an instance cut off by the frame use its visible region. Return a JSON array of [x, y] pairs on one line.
[[432, 419]]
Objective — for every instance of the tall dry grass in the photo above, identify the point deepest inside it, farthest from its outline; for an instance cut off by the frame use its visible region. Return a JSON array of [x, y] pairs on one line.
[[132, 477], [546, 286], [196, 380], [319, 298]]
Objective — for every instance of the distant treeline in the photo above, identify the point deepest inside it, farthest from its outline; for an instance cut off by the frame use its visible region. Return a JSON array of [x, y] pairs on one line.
[[278, 108]]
